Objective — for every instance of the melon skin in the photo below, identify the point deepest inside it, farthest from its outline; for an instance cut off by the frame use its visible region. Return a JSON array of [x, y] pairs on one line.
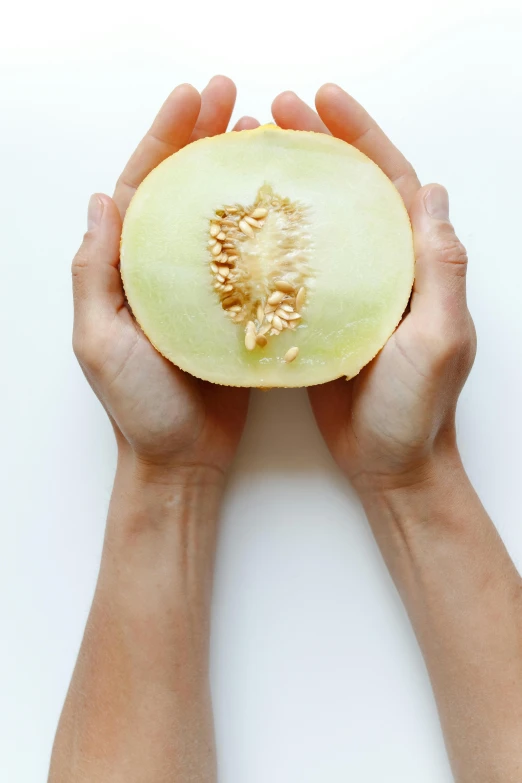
[[361, 256]]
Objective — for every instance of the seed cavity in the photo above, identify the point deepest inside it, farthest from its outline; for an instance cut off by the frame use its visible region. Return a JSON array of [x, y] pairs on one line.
[[260, 258]]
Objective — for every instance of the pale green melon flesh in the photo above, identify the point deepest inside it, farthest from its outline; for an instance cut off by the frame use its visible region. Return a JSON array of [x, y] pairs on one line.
[[359, 249]]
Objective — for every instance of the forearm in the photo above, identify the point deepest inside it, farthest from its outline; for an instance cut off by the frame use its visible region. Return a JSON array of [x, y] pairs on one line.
[[464, 598], [138, 708]]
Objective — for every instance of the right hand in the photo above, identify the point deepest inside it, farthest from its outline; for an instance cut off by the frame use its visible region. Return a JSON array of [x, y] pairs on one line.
[[387, 426]]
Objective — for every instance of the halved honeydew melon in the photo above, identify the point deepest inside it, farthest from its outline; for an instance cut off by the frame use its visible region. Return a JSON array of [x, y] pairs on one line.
[[268, 258]]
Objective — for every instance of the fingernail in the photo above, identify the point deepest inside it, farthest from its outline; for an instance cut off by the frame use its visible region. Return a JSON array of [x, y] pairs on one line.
[[95, 212], [437, 202]]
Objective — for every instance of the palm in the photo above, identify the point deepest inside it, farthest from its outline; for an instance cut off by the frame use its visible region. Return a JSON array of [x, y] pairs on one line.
[[161, 410], [163, 413], [385, 415], [386, 411]]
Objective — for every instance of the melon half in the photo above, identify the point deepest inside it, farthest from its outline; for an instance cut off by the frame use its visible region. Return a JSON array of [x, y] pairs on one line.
[[267, 258]]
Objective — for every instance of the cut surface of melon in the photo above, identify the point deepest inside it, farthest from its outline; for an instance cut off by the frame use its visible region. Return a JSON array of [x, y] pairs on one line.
[[244, 247]]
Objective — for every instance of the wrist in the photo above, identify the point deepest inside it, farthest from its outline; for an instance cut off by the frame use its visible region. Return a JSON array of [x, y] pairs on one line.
[[148, 496], [431, 504], [436, 518], [430, 494], [181, 475], [161, 532], [441, 465]]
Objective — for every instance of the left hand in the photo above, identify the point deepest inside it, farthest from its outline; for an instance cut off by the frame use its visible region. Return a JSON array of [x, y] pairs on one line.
[[390, 424], [161, 416]]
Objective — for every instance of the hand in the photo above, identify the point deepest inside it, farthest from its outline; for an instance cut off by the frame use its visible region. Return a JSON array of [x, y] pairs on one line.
[[386, 425], [160, 414]]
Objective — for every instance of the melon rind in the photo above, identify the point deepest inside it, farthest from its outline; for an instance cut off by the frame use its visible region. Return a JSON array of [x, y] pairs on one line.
[[361, 256]]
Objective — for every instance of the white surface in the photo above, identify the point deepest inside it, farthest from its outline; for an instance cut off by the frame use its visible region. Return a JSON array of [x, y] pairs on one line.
[[316, 673]]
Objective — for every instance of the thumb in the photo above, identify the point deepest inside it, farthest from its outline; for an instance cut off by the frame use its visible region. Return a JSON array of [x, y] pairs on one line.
[[440, 258], [97, 287]]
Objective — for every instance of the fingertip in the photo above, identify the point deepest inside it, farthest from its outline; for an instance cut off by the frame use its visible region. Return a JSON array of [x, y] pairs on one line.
[[176, 118], [330, 88], [95, 273], [329, 91], [291, 112], [430, 205], [110, 210], [188, 94], [95, 211], [103, 223], [283, 100], [339, 109], [246, 123], [435, 199], [186, 89], [223, 82], [440, 257]]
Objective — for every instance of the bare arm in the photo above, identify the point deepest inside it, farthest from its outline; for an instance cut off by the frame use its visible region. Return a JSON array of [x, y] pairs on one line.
[[392, 431], [138, 708], [464, 597]]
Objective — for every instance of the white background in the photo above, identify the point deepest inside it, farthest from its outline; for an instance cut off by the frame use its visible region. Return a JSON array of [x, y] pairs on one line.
[[316, 673]]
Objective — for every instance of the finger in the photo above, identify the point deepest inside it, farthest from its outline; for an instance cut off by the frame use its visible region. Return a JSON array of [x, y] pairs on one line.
[[217, 104], [290, 112], [97, 287], [347, 120], [246, 123], [441, 259], [169, 132]]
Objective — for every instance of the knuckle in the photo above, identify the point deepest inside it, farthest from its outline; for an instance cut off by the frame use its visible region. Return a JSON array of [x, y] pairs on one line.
[[448, 341], [87, 349], [81, 259], [409, 171], [78, 343], [453, 345], [78, 265], [471, 345], [450, 250]]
